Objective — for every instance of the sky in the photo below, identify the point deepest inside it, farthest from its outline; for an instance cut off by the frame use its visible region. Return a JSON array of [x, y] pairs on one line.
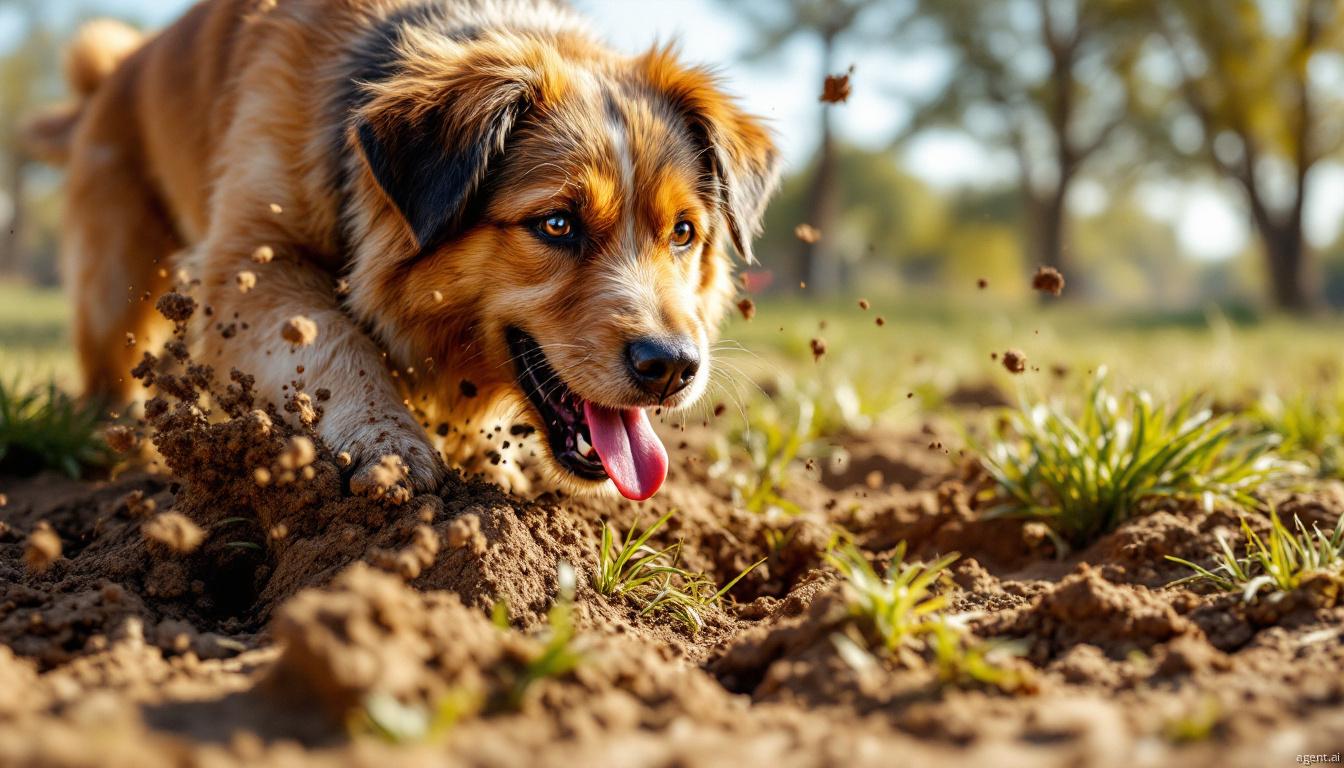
[[1209, 217]]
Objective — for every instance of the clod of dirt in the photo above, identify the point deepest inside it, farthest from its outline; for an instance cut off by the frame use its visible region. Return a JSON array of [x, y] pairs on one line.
[[437, 296], [43, 548], [1014, 361], [467, 388], [837, 88], [175, 532], [747, 307], [1048, 280], [367, 635], [982, 283], [863, 304], [299, 331], [263, 255], [465, 533], [4, 500], [246, 281], [808, 234], [881, 321], [277, 209], [818, 348], [176, 307], [130, 339], [120, 438]]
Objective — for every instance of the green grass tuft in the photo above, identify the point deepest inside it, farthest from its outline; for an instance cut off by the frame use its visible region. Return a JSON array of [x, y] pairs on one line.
[[1279, 561], [903, 617], [1085, 475], [900, 604], [652, 578], [44, 428]]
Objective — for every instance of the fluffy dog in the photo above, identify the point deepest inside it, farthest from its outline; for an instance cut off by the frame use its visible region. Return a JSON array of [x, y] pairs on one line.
[[477, 203]]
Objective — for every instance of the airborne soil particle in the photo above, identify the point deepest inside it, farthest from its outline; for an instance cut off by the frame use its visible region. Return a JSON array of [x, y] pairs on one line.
[[1048, 280], [1014, 361], [299, 331], [748, 308]]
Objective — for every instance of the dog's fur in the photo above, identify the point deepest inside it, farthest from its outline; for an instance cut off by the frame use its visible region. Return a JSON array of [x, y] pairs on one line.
[[409, 146]]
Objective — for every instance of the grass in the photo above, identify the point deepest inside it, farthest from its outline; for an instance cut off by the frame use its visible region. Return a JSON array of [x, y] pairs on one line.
[[1311, 423], [1279, 561], [904, 618], [1085, 474], [42, 428], [652, 578]]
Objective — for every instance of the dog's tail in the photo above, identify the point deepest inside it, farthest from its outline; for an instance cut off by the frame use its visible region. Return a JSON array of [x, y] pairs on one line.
[[97, 49]]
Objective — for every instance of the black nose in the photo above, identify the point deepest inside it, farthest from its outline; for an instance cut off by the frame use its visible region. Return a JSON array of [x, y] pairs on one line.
[[663, 366]]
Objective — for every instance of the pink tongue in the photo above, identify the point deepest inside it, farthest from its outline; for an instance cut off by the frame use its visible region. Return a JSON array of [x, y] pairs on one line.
[[631, 453]]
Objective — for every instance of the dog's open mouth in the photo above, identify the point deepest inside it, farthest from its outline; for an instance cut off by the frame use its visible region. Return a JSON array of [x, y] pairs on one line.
[[591, 441]]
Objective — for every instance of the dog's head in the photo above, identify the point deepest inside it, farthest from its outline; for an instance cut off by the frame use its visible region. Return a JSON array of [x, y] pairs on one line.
[[549, 221]]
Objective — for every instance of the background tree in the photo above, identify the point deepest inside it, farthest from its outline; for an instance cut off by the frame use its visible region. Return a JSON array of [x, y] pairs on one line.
[[1247, 76], [1047, 80], [830, 23]]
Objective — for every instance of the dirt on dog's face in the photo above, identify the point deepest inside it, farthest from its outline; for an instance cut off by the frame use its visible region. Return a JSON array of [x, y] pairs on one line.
[[587, 274]]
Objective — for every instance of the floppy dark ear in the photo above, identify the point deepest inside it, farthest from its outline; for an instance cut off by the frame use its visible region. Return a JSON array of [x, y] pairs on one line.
[[429, 149], [741, 153]]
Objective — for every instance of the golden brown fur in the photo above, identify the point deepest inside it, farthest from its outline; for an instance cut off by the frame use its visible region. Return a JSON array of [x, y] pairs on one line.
[[408, 147]]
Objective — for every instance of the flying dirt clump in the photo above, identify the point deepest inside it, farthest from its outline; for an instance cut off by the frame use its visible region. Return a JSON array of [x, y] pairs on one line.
[[836, 88], [807, 233], [748, 308], [120, 438], [1014, 361], [818, 348], [246, 280], [174, 531], [43, 548], [263, 255], [1048, 280], [299, 331]]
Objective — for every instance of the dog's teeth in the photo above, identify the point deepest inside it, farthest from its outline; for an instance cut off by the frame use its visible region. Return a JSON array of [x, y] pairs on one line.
[[582, 444]]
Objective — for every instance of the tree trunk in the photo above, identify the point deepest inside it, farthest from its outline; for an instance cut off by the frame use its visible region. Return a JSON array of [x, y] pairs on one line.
[[11, 236], [815, 264], [1285, 254]]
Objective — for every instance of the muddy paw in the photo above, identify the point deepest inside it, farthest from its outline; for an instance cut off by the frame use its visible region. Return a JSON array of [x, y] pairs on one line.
[[392, 479]]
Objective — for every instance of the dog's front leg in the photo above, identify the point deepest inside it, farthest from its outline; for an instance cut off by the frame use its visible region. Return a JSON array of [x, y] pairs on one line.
[[256, 300]]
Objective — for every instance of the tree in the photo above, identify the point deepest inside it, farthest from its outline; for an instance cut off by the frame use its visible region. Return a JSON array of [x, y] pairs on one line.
[[1244, 73], [1047, 80], [830, 23]]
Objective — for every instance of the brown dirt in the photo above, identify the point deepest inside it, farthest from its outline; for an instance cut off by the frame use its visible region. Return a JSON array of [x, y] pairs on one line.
[[199, 617], [1048, 280]]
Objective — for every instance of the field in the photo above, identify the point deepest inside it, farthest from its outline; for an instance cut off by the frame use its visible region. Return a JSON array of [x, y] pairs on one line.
[[877, 545]]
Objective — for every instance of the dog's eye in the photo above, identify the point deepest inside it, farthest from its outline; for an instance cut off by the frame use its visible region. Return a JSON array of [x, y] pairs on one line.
[[557, 227], [683, 233]]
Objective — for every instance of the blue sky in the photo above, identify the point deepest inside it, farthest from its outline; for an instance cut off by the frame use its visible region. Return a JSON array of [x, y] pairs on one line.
[[1210, 219]]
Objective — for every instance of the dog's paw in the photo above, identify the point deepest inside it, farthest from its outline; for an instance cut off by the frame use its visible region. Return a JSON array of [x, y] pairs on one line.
[[393, 477]]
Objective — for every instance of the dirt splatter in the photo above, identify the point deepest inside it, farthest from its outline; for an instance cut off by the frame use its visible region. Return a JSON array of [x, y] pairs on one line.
[[175, 532], [1048, 280], [246, 280], [1014, 361], [818, 346], [43, 548], [748, 308], [836, 88], [299, 331], [807, 234]]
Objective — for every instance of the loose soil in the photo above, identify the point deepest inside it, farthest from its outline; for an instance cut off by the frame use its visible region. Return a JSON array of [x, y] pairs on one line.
[[240, 607]]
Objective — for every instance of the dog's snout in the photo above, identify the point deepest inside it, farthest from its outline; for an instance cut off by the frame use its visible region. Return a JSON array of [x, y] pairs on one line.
[[663, 366]]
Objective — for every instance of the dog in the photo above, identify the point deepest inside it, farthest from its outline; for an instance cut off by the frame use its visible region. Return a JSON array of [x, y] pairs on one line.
[[481, 208]]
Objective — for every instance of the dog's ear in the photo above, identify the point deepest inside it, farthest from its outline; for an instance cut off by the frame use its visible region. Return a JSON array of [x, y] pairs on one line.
[[428, 136], [740, 152]]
